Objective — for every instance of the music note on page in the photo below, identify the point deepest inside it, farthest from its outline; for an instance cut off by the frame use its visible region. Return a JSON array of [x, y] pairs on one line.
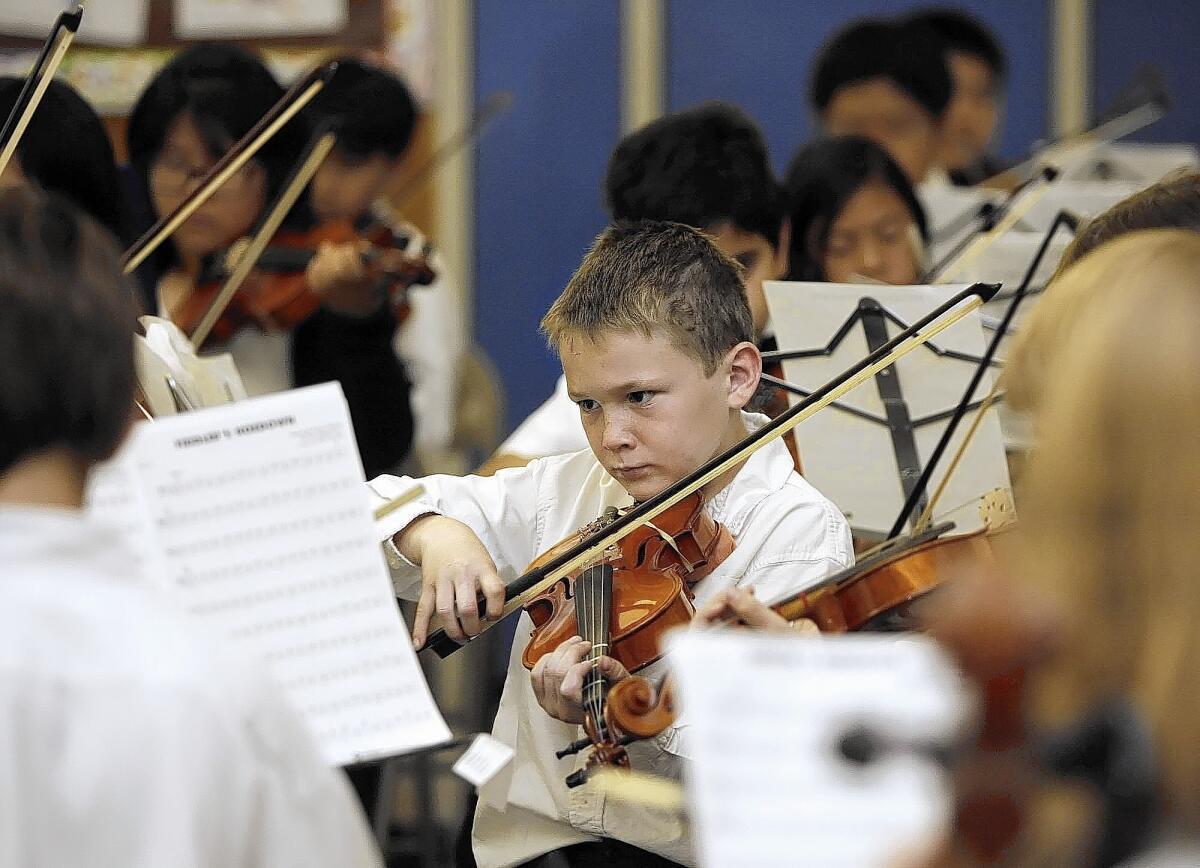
[[262, 527]]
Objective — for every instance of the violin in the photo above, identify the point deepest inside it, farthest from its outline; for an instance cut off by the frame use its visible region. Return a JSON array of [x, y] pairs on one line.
[[624, 603], [277, 297], [881, 592]]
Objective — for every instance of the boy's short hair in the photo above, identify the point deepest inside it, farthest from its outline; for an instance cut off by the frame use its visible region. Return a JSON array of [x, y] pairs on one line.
[[966, 33], [1171, 203], [649, 275], [66, 331], [700, 167], [373, 108], [908, 55]]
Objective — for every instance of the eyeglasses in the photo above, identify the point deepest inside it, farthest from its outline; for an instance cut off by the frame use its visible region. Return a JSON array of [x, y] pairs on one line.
[[171, 176]]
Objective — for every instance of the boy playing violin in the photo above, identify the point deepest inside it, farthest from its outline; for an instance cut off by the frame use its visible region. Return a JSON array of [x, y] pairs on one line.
[[654, 334]]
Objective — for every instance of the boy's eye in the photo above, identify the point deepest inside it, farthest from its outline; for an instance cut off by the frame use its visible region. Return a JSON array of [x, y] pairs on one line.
[[587, 405], [640, 397]]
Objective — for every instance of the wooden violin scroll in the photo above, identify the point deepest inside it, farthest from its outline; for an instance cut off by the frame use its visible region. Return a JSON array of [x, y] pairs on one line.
[[637, 708]]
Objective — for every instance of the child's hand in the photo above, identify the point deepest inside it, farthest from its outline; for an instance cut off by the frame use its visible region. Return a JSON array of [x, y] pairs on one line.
[[557, 678], [740, 605], [344, 282], [455, 570]]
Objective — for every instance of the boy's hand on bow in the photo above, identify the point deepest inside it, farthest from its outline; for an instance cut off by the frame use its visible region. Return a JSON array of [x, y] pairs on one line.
[[456, 570]]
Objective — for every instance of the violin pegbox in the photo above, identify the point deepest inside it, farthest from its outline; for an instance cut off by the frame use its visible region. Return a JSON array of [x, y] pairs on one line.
[[997, 510]]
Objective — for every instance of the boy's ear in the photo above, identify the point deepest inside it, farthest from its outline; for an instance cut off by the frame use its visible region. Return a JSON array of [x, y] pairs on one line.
[[744, 364]]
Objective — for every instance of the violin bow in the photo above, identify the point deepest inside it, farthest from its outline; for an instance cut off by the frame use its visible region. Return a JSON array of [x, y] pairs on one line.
[[1063, 218], [535, 582], [1122, 122], [496, 105], [62, 34], [1016, 207], [314, 153], [288, 106]]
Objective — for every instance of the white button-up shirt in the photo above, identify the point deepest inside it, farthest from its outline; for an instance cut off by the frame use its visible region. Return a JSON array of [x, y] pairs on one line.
[[788, 537], [132, 739]]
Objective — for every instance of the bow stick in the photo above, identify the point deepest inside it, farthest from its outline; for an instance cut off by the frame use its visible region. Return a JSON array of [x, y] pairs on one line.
[[310, 160], [535, 582], [297, 97], [39, 78]]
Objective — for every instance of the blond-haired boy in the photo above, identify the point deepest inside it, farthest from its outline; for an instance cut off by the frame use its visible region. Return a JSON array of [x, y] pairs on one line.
[[654, 335]]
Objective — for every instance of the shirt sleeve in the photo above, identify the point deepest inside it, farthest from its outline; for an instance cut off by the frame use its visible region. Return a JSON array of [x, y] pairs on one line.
[[502, 510], [552, 429], [431, 344]]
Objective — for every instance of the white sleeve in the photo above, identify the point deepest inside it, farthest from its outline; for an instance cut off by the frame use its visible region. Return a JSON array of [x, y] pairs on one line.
[[431, 344], [502, 510], [552, 429]]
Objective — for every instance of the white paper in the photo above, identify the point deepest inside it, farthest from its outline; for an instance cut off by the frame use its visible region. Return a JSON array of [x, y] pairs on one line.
[[851, 460], [215, 19], [261, 524], [769, 785], [483, 760], [108, 22]]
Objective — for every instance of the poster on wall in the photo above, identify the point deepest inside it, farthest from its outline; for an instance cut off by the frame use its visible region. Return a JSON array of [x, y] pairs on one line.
[[218, 19], [105, 22]]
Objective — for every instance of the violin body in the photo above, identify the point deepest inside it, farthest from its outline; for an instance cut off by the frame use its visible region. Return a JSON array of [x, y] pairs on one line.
[[277, 297], [876, 590], [654, 568], [892, 585]]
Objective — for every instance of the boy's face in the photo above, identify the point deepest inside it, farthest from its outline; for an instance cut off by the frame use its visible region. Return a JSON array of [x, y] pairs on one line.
[[761, 260], [878, 110], [344, 188], [971, 118], [650, 413]]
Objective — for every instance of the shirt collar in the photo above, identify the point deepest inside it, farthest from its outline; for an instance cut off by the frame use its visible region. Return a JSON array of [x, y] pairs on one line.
[[30, 534]]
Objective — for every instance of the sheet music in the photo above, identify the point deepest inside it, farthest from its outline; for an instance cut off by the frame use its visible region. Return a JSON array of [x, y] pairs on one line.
[[262, 526], [767, 715], [852, 460]]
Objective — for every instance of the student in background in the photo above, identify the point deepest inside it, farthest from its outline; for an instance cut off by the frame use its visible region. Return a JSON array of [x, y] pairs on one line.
[[978, 69], [705, 167], [66, 150], [853, 214], [376, 117], [195, 109], [888, 82], [132, 737]]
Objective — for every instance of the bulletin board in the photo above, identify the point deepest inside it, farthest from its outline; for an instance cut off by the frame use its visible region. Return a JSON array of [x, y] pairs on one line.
[[110, 78]]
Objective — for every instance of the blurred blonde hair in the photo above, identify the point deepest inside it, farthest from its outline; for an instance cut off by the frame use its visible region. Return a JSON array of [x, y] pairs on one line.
[[1112, 500]]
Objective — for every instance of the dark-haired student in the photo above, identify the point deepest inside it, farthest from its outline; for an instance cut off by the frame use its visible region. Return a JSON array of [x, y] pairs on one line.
[[706, 167], [66, 150], [132, 736], [376, 116], [886, 81], [978, 69], [194, 109], [854, 215]]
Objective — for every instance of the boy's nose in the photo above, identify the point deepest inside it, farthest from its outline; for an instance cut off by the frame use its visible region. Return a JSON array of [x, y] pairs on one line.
[[617, 434]]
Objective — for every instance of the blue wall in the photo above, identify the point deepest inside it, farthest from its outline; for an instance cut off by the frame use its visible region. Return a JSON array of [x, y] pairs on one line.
[[757, 54], [538, 198], [1166, 33]]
